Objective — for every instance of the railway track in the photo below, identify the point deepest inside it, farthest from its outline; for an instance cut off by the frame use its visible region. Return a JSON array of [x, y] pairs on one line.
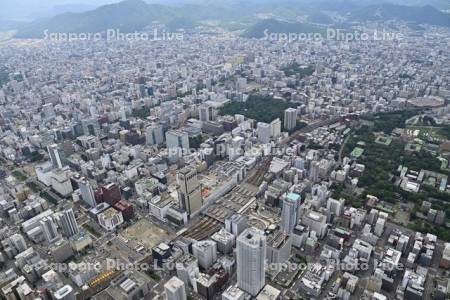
[[204, 228]]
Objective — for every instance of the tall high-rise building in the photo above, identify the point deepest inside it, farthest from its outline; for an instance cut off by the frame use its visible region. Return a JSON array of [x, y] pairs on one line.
[[290, 118], [87, 193], [69, 223], [177, 144], [175, 289], [56, 156], [154, 134], [335, 207], [234, 147], [264, 132], [206, 253], [251, 254], [275, 127], [236, 223], [49, 229], [314, 171], [279, 247], [207, 113], [110, 193], [316, 221], [187, 268], [206, 285], [90, 126], [18, 242], [189, 192], [290, 212]]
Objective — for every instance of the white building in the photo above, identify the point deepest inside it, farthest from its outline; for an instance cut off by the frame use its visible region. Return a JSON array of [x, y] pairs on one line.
[[335, 207], [177, 144], [187, 268], [154, 134], [205, 252], [87, 193], [290, 212], [269, 293], [56, 156], [275, 127], [316, 221], [110, 219], [60, 182], [158, 206], [233, 293], [224, 240], [264, 132], [207, 113], [278, 247], [65, 293], [69, 223], [175, 289], [290, 118], [236, 224], [234, 147], [49, 229], [251, 254], [43, 172]]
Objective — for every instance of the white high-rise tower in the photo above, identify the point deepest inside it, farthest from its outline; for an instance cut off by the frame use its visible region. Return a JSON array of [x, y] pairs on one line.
[[49, 229], [251, 255], [290, 212], [69, 223], [290, 118], [175, 289], [56, 156], [87, 192]]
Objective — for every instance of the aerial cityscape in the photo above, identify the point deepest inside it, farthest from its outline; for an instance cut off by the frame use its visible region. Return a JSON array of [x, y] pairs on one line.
[[195, 149]]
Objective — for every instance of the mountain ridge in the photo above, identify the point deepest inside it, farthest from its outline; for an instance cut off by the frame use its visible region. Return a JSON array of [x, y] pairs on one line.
[[135, 15], [416, 14]]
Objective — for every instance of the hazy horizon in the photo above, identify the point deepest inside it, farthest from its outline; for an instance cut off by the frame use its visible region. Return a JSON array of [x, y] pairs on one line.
[[29, 10]]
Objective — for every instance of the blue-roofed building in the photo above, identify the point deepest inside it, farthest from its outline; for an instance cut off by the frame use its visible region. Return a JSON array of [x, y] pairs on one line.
[[290, 212]]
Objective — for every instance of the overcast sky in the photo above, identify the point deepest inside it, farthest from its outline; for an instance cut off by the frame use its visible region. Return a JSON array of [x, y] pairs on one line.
[[26, 10], [30, 9]]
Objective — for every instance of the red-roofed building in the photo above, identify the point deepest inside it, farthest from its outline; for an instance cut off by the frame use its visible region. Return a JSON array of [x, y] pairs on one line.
[[109, 193], [126, 208]]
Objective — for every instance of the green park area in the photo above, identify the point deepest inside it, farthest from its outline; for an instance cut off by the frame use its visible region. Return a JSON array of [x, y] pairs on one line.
[[142, 112], [298, 70], [382, 161], [4, 76], [19, 175], [48, 197], [33, 187], [258, 107]]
